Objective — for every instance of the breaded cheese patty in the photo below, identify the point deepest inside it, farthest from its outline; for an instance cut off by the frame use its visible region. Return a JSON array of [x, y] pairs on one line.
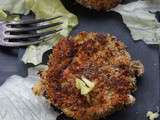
[[90, 75], [99, 4]]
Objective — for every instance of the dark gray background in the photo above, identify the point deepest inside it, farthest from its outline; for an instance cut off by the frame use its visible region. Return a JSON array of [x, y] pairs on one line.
[[111, 22]]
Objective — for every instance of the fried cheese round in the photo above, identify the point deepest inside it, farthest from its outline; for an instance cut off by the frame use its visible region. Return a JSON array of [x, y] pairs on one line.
[[96, 59]]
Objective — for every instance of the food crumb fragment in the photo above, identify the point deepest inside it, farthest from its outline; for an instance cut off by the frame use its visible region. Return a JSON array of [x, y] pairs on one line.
[[152, 115], [37, 88]]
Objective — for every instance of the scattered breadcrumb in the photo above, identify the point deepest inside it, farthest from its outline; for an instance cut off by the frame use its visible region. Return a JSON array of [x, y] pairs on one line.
[[152, 115]]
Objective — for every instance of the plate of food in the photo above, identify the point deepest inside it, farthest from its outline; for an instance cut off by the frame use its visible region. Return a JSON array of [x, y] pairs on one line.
[[96, 72]]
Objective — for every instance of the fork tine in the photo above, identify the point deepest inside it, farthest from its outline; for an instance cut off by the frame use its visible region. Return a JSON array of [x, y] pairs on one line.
[[31, 35], [32, 21], [22, 43], [34, 28], [19, 44]]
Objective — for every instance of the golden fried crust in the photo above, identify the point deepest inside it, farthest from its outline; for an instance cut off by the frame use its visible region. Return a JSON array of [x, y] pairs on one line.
[[102, 59], [99, 4]]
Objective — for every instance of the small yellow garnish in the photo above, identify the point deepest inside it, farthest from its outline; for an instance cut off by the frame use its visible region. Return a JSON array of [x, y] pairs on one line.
[[84, 85]]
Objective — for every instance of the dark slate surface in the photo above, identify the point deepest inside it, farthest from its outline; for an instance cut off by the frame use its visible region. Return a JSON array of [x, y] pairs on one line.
[[148, 86], [8, 63]]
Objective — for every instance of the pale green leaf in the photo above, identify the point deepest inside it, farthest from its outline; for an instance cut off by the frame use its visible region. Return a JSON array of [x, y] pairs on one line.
[[3, 15], [18, 101], [14, 6], [140, 19]]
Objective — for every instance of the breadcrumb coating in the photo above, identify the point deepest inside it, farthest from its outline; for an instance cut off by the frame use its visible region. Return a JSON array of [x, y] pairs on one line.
[[99, 4]]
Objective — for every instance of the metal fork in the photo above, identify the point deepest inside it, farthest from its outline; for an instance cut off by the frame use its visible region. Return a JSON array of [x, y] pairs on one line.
[[24, 32]]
